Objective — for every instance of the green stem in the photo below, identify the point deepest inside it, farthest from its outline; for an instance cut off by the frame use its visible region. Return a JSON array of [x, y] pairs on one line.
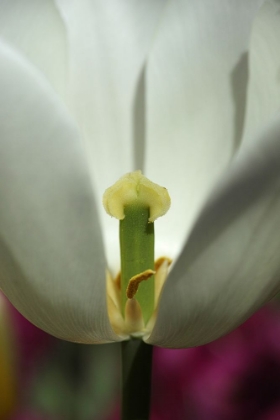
[[136, 379]]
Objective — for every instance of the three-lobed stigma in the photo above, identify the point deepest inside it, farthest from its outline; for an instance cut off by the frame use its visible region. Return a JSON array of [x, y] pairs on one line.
[[135, 188]]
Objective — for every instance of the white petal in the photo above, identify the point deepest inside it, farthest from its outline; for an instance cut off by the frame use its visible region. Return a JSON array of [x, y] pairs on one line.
[[196, 83], [52, 262], [35, 28], [264, 85], [108, 42], [230, 265]]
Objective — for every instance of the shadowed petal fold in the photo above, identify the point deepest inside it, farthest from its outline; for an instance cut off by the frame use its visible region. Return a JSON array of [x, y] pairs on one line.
[[230, 265], [52, 259], [196, 93]]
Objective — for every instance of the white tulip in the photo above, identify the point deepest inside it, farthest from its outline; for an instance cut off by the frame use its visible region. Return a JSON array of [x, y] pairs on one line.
[[186, 91]]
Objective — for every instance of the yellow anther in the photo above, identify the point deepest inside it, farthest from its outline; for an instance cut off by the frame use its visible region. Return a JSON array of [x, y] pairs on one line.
[[160, 261], [136, 280], [117, 280]]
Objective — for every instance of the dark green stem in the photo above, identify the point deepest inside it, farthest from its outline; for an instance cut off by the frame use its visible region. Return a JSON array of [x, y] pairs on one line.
[[136, 379]]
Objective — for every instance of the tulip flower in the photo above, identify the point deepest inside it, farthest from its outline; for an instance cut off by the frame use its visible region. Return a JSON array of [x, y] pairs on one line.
[[186, 91]]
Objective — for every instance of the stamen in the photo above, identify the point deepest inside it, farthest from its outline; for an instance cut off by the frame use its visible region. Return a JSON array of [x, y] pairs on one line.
[[136, 280], [134, 322], [160, 261], [113, 290], [160, 277], [117, 280]]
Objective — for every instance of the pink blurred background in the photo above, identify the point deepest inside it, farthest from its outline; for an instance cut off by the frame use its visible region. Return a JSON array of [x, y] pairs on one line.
[[235, 377]]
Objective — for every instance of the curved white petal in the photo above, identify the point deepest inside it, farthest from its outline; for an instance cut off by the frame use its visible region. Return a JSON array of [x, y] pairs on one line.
[[230, 265], [35, 28], [51, 258], [264, 83], [196, 93], [108, 41]]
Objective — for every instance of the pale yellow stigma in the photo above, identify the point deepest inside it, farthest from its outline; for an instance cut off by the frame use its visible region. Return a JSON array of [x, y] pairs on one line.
[[135, 188]]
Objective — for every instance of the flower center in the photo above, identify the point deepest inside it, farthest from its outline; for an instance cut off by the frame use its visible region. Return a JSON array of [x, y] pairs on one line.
[[132, 323]]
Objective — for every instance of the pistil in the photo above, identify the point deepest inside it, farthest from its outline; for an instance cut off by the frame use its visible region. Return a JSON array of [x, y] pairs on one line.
[[137, 202]]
